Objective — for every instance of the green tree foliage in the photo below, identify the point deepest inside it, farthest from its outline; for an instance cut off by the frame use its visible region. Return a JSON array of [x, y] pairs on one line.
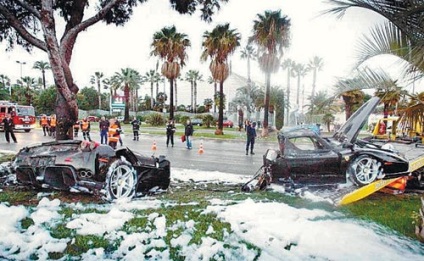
[[271, 34], [45, 102], [88, 99], [218, 45], [38, 24]]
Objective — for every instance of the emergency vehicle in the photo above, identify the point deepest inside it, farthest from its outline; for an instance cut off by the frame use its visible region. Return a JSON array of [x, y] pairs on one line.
[[23, 115]]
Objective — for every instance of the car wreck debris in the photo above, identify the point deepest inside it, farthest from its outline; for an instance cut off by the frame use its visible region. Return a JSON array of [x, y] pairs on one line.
[[82, 166], [305, 157]]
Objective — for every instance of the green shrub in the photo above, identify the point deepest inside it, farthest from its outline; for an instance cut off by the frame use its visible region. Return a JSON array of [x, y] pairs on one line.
[[208, 120], [184, 119], [155, 119]]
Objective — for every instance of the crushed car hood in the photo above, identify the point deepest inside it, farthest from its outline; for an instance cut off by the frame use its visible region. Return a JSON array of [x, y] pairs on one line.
[[350, 130]]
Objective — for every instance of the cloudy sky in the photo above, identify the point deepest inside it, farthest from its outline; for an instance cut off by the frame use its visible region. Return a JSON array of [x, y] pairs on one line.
[[108, 49]]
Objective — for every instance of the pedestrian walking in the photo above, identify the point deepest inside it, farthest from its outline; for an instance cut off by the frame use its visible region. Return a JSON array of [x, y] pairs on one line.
[[251, 135], [44, 124], [135, 127], [85, 128], [188, 132], [104, 128], [170, 130], [8, 126]]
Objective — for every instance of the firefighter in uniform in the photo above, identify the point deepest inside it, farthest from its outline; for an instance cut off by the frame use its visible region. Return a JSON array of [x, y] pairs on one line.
[[53, 125], [44, 124], [85, 128], [113, 134], [76, 128]]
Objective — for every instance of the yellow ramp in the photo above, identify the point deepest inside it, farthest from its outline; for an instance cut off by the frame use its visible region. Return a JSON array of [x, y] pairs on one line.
[[365, 191]]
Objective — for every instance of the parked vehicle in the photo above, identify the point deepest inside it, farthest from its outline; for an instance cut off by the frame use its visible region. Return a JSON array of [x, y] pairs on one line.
[[304, 157], [23, 116], [93, 118], [197, 122], [82, 166], [227, 124]]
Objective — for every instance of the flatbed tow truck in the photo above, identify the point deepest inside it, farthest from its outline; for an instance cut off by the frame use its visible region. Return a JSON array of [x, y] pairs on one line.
[[414, 155]]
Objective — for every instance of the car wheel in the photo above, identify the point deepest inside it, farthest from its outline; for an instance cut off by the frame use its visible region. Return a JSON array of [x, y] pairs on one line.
[[121, 180], [364, 170]]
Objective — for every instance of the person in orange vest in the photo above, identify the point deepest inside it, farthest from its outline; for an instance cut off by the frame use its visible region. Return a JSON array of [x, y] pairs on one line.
[[113, 134], [85, 128], [44, 124], [53, 125], [76, 128]]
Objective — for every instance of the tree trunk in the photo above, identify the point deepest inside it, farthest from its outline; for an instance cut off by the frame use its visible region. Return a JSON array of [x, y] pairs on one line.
[[44, 79], [176, 96], [266, 105], [59, 58], [220, 131], [214, 104], [195, 97], [100, 94], [288, 95], [151, 95], [127, 103], [171, 96]]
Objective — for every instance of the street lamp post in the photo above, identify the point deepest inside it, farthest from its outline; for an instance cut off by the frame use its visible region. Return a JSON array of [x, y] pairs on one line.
[[21, 64]]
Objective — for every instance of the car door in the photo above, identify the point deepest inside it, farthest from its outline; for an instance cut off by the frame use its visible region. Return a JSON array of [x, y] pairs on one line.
[[308, 159]]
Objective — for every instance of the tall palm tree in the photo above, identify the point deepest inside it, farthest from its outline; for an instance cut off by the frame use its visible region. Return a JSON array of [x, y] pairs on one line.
[[248, 53], [28, 83], [153, 77], [128, 79], [97, 79], [5, 82], [170, 46], [315, 65], [288, 64], [193, 77], [271, 33], [218, 44], [300, 71], [42, 66]]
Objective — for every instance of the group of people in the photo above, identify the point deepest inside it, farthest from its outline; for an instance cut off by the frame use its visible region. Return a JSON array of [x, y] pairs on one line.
[[187, 137], [110, 130], [48, 124]]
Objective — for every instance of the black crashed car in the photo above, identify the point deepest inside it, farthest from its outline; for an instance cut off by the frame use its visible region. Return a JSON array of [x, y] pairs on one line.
[[82, 166], [305, 157]]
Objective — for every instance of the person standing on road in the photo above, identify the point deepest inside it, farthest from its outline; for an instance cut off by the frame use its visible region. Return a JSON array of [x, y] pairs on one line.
[[44, 124], [170, 130], [113, 133], [53, 125], [85, 128], [251, 135], [76, 128], [136, 127], [188, 132], [8, 128], [121, 131], [104, 128]]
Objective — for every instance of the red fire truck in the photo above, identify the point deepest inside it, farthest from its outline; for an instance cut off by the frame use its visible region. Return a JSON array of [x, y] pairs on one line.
[[23, 116]]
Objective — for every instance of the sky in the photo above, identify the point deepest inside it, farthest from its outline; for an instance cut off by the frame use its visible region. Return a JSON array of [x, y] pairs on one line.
[[315, 234], [108, 49]]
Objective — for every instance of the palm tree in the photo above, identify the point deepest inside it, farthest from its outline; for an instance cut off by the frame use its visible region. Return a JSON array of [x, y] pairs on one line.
[[153, 77], [248, 53], [28, 83], [401, 36], [5, 81], [193, 77], [288, 65], [96, 79], [271, 34], [300, 71], [42, 66], [218, 44], [315, 65], [171, 47], [128, 79], [351, 96]]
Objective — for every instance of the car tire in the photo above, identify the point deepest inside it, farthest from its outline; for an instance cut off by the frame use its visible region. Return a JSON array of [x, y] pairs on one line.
[[364, 170], [121, 180]]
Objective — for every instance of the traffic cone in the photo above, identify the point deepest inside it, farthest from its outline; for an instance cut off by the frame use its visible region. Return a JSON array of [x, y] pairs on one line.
[[154, 145], [201, 148]]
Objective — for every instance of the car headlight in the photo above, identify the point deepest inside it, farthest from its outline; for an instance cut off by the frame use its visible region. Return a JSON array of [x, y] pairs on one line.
[[271, 155]]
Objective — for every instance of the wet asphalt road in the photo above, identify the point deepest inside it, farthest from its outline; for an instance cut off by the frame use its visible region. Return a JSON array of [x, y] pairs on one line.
[[218, 155]]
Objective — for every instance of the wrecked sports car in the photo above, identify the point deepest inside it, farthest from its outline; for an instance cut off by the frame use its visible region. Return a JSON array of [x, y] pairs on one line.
[[304, 157], [89, 167]]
